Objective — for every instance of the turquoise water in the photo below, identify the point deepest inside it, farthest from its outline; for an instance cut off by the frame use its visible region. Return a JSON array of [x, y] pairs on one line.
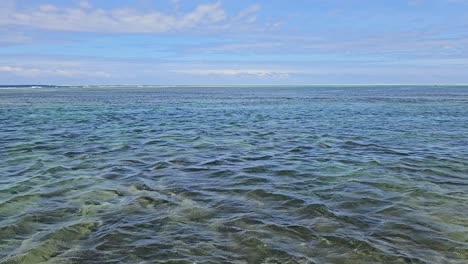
[[234, 175]]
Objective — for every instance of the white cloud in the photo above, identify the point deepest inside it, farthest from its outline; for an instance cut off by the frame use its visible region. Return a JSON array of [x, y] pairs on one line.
[[415, 2], [48, 8], [86, 18], [249, 13], [85, 4], [244, 46], [9, 38], [238, 72], [36, 72], [175, 3]]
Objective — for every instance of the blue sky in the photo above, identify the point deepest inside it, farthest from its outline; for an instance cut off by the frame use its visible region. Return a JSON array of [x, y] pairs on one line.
[[233, 42]]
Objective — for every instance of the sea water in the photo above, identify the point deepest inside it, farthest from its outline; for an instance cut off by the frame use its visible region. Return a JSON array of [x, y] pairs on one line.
[[333, 174]]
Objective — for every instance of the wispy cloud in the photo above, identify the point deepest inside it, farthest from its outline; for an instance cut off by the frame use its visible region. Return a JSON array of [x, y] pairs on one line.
[[86, 18], [248, 46], [37, 72], [11, 38], [249, 13], [239, 72]]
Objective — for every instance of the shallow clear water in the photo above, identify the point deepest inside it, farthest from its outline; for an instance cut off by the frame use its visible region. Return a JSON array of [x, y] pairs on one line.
[[234, 175]]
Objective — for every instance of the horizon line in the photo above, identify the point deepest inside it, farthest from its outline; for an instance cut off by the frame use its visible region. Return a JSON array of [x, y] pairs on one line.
[[230, 85]]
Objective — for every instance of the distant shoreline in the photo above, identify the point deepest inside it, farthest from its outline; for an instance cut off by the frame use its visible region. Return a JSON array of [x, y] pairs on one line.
[[39, 86]]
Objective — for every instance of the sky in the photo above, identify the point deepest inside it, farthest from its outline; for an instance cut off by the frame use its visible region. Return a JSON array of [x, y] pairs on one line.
[[234, 42]]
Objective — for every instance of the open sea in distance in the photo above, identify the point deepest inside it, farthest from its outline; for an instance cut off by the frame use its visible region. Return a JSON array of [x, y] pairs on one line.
[[322, 174]]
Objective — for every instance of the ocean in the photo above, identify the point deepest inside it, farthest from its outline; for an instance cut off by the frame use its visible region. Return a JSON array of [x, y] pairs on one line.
[[310, 174]]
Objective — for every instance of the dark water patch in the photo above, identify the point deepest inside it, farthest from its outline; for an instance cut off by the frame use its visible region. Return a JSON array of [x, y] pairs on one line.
[[268, 195], [316, 210], [257, 169], [56, 169], [72, 154], [155, 142], [196, 169], [222, 174], [216, 162], [150, 202], [286, 172], [264, 157]]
